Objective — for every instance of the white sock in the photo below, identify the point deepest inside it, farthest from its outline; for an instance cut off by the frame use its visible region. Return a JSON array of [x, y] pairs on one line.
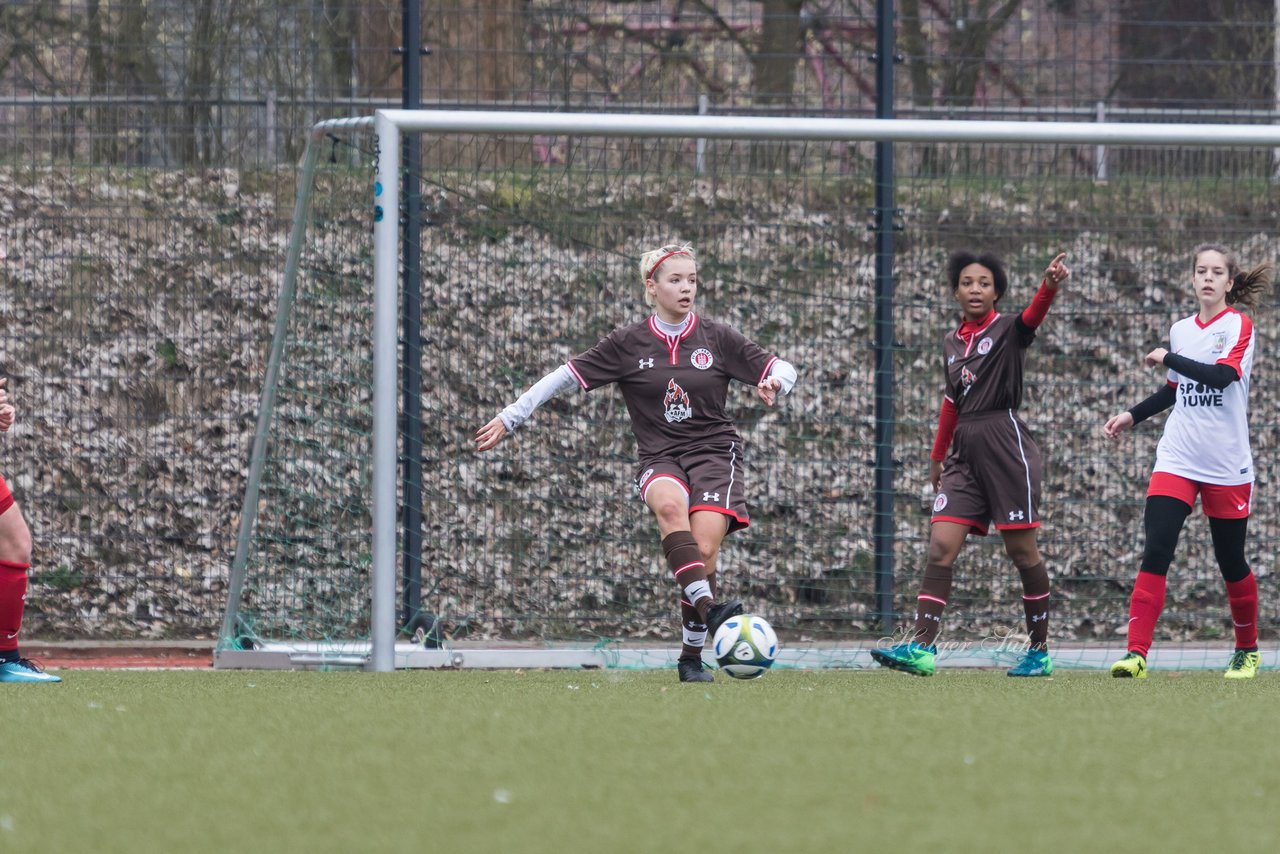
[[697, 590]]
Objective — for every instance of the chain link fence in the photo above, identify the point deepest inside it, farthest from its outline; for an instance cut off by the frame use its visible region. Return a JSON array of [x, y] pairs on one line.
[[147, 176]]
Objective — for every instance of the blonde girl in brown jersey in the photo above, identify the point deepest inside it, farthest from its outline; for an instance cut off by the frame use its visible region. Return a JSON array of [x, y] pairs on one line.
[[674, 369]]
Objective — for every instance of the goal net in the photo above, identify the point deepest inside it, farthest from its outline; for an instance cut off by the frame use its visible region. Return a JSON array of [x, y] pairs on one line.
[[539, 552]]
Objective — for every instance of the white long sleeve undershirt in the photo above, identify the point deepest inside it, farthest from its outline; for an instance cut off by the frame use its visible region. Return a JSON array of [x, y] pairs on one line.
[[541, 391]]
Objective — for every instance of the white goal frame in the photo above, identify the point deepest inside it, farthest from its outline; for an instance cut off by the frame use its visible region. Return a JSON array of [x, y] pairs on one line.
[[382, 653]]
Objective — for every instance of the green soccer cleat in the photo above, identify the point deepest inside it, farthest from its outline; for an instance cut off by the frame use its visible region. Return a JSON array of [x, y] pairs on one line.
[[1244, 664], [24, 670], [1035, 663], [1132, 666], [914, 658]]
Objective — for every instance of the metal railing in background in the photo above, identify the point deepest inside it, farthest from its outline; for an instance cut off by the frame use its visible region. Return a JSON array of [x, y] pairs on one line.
[[260, 139]]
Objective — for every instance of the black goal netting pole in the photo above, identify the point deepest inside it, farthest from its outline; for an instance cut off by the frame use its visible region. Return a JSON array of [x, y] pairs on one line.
[[884, 338], [411, 322]]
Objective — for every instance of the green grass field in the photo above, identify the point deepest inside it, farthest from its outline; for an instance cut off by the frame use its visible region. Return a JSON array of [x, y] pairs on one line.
[[605, 761]]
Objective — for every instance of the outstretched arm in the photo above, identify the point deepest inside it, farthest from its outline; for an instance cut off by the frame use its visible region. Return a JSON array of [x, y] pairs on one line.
[[517, 413]]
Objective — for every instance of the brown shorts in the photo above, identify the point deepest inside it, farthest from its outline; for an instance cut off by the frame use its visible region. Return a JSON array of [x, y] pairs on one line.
[[712, 478], [993, 473]]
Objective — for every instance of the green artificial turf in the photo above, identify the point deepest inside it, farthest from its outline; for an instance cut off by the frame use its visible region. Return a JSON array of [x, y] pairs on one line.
[[604, 761]]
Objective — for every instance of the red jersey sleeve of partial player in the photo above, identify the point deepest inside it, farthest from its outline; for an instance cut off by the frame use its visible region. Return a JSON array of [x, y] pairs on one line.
[[1034, 314], [1236, 355], [947, 419]]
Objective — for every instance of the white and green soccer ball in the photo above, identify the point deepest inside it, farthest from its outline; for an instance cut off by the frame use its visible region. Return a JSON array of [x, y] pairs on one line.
[[745, 646]]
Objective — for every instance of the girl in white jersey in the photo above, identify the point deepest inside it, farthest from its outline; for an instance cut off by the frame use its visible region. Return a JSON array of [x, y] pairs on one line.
[[674, 369], [1204, 451]]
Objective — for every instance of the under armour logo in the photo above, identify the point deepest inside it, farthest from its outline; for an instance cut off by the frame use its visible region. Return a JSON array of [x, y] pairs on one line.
[[1016, 516], [646, 363], [1038, 617], [710, 496]]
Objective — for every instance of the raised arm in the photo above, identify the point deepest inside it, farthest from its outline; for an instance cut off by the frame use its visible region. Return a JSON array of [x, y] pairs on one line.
[[1054, 275]]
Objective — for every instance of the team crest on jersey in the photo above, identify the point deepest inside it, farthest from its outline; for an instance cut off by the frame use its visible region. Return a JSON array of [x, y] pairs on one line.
[[940, 503], [702, 358], [967, 379], [676, 404], [1219, 343], [984, 346]]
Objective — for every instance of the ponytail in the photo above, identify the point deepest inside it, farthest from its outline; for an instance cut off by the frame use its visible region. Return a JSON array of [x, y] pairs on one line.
[[1249, 288]]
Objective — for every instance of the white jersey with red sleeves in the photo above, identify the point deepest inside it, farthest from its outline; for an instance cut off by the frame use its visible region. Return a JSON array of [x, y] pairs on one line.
[[1206, 438]]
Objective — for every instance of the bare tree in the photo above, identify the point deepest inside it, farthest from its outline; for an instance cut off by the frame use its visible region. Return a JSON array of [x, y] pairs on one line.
[[1180, 53], [913, 44], [23, 29], [198, 143], [482, 56]]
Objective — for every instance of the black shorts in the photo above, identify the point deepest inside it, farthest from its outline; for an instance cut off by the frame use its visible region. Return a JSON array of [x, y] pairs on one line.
[[993, 473], [713, 478]]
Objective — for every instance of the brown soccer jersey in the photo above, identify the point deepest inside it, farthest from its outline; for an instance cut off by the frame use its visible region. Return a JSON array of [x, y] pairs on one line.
[[675, 387], [984, 367]]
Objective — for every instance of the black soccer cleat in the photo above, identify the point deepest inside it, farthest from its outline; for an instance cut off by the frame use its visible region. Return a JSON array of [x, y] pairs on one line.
[[719, 612], [691, 670]]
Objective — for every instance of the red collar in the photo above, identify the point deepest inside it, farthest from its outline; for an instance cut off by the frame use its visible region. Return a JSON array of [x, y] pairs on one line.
[[973, 327], [1213, 319]]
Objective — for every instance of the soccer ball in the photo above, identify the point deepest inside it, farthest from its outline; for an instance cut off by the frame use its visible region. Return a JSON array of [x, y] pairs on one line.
[[745, 646]]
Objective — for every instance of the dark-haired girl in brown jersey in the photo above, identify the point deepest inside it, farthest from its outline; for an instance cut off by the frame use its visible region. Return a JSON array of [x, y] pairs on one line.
[[674, 369], [993, 470]]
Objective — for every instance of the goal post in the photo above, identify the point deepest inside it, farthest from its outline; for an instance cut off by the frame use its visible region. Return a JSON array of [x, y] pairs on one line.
[[378, 648]]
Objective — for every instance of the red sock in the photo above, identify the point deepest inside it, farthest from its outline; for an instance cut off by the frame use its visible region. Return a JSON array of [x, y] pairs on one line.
[[1243, 596], [1144, 609], [13, 598]]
